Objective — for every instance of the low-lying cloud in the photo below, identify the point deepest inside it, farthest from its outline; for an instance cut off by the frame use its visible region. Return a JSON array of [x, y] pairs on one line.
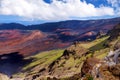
[[56, 10]]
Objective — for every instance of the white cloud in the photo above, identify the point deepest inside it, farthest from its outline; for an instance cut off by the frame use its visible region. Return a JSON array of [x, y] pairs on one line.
[[116, 5], [57, 10]]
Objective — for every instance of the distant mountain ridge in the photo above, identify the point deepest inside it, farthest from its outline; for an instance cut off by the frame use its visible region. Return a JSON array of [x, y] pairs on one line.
[[71, 29], [72, 24], [76, 24]]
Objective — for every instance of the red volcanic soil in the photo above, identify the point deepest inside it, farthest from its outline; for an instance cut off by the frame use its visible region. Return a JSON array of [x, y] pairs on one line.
[[87, 34], [27, 42]]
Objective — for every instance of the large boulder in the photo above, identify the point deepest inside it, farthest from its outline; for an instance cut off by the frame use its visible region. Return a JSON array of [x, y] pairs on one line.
[[89, 65], [109, 72]]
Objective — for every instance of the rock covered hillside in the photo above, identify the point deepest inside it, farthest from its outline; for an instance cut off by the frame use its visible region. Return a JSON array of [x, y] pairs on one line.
[[95, 60]]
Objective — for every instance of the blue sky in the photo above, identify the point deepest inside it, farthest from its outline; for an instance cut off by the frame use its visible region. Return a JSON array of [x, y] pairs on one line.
[[40, 11]]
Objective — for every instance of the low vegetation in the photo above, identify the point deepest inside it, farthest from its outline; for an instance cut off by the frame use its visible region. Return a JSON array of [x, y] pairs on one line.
[[72, 63], [44, 58], [66, 66]]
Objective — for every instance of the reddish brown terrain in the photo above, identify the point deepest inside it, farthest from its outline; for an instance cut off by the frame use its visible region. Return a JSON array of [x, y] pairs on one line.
[[26, 42], [31, 39]]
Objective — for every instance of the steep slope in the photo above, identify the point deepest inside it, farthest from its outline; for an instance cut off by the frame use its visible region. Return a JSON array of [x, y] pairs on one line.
[[82, 60], [59, 63], [107, 68], [115, 32]]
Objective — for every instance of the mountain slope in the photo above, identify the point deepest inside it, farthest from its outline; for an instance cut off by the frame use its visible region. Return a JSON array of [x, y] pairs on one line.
[[59, 64], [82, 60]]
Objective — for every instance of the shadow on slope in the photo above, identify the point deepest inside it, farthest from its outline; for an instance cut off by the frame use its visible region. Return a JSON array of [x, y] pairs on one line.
[[12, 63]]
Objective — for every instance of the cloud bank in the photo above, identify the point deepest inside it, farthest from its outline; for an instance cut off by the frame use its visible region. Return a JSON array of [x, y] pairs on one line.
[[56, 10], [116, 5]]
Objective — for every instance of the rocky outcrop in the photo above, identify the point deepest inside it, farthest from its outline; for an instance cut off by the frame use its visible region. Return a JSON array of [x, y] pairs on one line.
[[109, 72], [104, 69], [115, 32], [89, 65], [100, 34], [117, 45], [63, 66], [76, 49], [110, 69], [115, 70]]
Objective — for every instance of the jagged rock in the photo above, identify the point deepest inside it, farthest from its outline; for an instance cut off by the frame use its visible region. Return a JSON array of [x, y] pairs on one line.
[[113, 57], [110, 70], [117, 45], [105, 74], [89, 65], [100, 34], [115, 32], [115, 70], [75, 49]]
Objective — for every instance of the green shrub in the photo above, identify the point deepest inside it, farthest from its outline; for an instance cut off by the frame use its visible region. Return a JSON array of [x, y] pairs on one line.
[[90, 77]]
